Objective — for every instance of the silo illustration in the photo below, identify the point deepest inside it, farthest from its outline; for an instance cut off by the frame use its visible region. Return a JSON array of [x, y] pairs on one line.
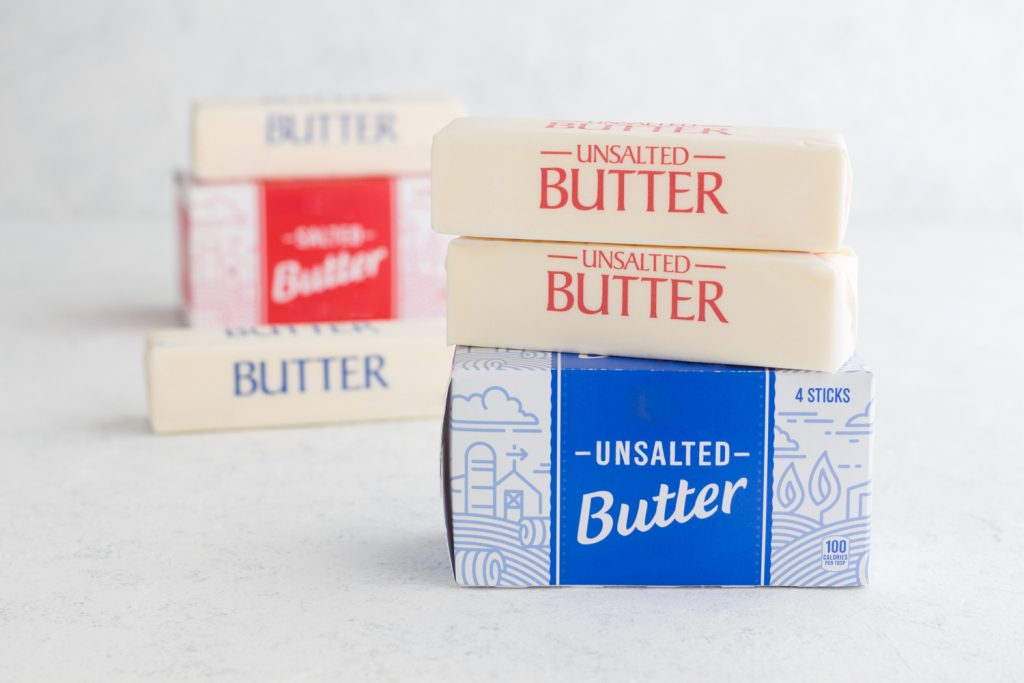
[[480, 463]]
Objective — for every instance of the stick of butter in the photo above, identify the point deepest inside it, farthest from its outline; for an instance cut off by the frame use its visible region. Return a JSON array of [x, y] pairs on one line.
[[281, 375], [335, 137], [642, 183], [776, 309]]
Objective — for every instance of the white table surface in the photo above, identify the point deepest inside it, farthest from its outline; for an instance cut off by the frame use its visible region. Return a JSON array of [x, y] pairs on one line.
[[319, 554]]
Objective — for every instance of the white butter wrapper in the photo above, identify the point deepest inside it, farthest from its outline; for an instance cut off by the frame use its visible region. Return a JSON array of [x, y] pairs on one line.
[[286, 375], [316, 138], [775, 309], [642, 183]]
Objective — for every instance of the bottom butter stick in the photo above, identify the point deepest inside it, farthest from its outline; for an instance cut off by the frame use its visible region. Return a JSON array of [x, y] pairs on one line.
[[775, 309], [569, 469], [280, 375]]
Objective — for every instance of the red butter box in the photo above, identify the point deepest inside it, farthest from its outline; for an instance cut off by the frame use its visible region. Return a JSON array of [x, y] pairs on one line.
[[293, 251]]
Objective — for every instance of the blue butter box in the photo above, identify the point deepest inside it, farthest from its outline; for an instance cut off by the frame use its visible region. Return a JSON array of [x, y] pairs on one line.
[[569, 469]]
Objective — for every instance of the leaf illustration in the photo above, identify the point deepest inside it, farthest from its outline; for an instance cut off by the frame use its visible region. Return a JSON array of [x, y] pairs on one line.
[[824, 485], [789, 492]]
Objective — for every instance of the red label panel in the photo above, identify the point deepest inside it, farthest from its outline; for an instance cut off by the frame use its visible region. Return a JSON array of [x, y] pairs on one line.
[[328, 250]]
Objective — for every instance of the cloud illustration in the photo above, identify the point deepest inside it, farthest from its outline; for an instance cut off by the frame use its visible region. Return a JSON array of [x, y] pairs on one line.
[[863, 419], [783, 441], [491, 406]]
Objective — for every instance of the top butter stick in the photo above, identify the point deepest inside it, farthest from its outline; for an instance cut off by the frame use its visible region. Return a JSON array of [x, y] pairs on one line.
[[310, 138], [662, 184]]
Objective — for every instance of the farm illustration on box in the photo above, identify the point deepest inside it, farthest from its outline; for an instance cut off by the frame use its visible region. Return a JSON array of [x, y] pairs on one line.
[[501, 467]]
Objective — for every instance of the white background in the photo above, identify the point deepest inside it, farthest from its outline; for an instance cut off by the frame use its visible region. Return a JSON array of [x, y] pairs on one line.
[[319, 554], [94, 95]]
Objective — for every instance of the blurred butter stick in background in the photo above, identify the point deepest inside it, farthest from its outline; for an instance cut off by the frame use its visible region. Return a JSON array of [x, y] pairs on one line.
[[289, 375], [366, 136]]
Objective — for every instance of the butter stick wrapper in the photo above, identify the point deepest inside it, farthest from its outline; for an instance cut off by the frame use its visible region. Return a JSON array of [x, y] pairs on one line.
[[776, 309], [316, 138], [565, 469], [284, 375], [642, 183], [270, 252]]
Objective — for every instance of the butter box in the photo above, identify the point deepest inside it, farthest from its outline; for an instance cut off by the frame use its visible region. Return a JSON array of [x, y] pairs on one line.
[[259, 252], [571, 469]]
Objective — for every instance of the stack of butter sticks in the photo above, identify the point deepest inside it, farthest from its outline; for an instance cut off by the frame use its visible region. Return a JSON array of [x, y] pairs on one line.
[[312, 210], [655, 380], [309, 263]]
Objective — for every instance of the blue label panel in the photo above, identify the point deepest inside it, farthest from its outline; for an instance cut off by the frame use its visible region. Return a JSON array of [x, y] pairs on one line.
[[660, 477]]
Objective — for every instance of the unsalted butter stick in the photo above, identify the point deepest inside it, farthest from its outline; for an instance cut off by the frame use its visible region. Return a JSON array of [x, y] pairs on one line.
[[642, 183], [331, 137], [777, 309], [283, 375]]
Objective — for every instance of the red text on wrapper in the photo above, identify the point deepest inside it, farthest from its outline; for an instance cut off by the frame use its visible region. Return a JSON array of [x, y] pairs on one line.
[[616, 177], [647, 285], [607, 189], [642, 127]]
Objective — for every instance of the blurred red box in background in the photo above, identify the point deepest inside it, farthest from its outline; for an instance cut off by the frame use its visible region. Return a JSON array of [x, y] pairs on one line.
[[310, 250]]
